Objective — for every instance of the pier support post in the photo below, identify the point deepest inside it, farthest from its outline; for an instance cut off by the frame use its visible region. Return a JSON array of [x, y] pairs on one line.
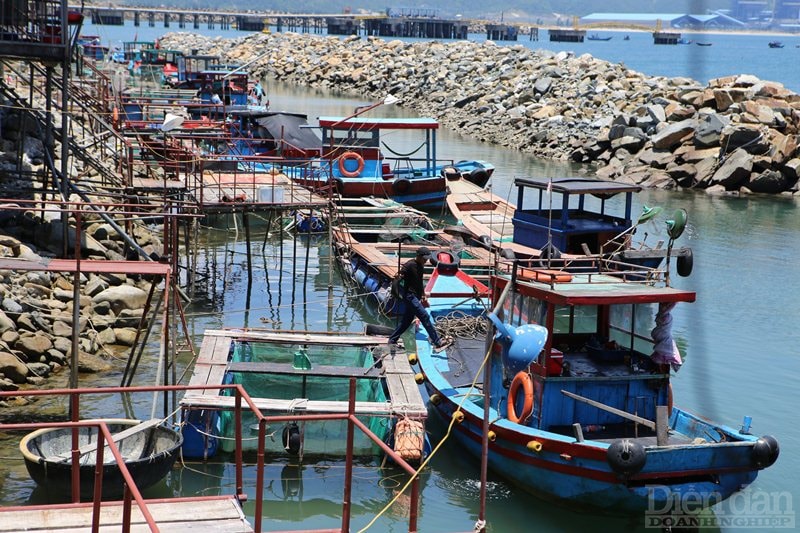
[[662, 425], [246, 224]]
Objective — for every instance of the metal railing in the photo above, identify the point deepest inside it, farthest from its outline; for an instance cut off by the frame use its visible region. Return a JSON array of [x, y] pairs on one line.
[[242, 400]]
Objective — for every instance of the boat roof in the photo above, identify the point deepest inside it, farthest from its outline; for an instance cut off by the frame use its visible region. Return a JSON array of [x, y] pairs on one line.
[[291, 128], [578, 185], [345, 123], [600, 289]]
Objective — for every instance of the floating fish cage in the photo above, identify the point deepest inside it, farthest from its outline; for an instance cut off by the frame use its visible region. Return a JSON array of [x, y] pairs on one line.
[[327, 437]]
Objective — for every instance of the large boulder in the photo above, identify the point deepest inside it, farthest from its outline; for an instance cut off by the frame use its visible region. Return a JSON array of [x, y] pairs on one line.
[[33, 346], [6, 324], [734, 171], [709, 130], [123, 297], [769, 181], [748, 137], [672, 135], [12, 368]]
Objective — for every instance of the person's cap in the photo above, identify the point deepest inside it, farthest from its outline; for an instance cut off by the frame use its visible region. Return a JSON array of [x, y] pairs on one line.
[[423, 251]]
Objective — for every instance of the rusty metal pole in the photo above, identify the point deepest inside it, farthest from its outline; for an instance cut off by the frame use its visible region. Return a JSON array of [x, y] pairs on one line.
[[74, 407], [414, 509], [262, 433], [76, 305], [348, 466], [238, 434]]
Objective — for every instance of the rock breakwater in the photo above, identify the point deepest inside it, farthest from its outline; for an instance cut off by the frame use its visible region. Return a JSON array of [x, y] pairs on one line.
[[735, 134]]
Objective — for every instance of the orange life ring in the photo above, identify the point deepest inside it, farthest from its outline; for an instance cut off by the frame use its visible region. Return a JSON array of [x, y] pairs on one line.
[[524, 380], [347, 156]]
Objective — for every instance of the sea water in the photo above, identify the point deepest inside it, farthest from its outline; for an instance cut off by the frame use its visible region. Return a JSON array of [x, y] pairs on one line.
[[741, 338]]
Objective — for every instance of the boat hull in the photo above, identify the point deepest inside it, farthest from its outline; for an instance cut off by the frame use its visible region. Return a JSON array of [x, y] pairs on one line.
[[579, 473], [149, 456]]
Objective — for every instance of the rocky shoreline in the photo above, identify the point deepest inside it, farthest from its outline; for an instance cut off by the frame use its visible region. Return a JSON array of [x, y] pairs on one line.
[[737, 134], [36, 307]]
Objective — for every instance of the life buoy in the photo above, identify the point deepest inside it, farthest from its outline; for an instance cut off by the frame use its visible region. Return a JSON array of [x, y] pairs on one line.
[[401, 186], [347, 156], [524, 380]]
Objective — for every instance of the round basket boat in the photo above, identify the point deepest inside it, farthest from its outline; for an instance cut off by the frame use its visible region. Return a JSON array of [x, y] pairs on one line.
[[149, 452]]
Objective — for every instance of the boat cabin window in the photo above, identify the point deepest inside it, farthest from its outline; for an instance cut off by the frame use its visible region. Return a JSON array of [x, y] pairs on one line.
[[631, 326], [519, 310], [618, 327], [351, 138]]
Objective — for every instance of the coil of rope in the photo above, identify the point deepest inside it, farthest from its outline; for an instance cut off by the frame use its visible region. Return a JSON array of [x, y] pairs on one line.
[[459, 324]]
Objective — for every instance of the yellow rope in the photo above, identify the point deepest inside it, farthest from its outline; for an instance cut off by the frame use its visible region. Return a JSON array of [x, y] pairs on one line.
[[436, 449]]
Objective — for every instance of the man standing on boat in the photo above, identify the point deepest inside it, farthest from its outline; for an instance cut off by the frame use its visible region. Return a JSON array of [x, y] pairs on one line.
[[411, 291]]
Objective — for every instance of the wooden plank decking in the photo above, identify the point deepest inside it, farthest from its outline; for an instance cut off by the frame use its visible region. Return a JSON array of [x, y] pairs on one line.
[[215, 514], [259, 190], [392, 366]]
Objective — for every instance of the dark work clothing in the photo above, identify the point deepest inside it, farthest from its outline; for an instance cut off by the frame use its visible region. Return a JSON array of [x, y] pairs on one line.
[[410, 294], [411, 274], [413, 307]]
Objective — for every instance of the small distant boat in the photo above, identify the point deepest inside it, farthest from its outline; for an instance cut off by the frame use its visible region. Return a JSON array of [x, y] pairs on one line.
[[684, 41], [595, 37], [703, 44], [775, 44], [149, 451], [626, 38]]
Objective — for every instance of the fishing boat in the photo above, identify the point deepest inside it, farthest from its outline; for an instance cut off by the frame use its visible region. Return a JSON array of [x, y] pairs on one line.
[[358, 164], [371, 258], [776, 44], [595, 37], [567, 217], [576, 404], [148, 448]]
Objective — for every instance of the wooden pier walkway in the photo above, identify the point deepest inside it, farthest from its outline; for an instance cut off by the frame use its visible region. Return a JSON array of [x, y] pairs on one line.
[[221, 514], [391, 366]]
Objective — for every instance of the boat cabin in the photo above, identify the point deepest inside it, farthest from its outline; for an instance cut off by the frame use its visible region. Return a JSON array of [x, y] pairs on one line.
[[571, 212], [189, 69], [362, 136], [230, 86], [603, 345]]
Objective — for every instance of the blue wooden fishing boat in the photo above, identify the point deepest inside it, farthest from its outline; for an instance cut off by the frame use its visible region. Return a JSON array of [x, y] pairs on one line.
[[569, 217], [577, 402], [371, 257], [362, 164]]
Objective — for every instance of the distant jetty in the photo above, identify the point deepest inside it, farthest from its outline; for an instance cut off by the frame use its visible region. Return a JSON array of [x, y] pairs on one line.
[[736, 134]]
